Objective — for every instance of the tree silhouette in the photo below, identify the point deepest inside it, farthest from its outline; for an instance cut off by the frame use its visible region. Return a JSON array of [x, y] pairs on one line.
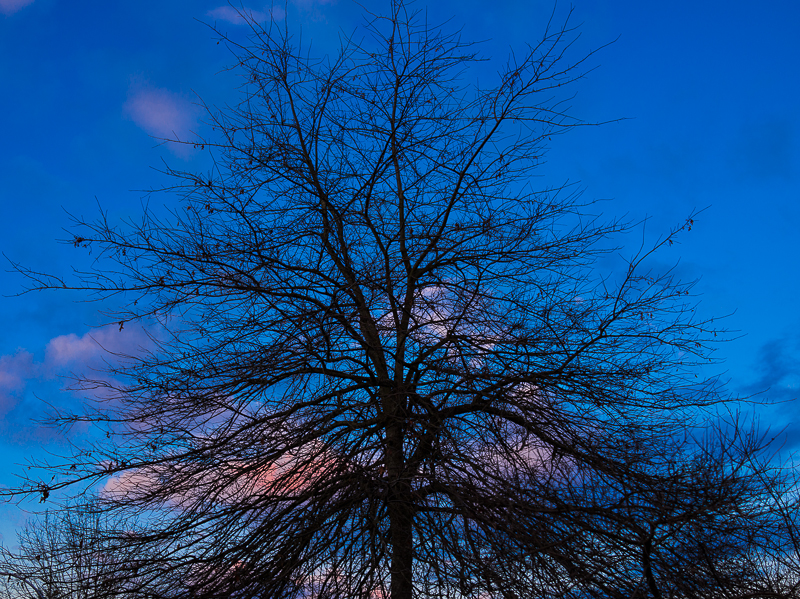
[[389, 366], [77, 554]]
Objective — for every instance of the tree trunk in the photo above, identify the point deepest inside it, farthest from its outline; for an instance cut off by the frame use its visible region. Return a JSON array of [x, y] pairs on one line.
[[401, 515]]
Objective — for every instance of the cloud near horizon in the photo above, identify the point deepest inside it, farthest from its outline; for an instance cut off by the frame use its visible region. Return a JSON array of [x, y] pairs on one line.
[[9, 7]]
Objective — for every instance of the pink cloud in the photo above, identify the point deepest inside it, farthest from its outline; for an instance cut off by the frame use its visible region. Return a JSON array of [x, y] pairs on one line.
[[162, 114], [9, 7], [229, 481]]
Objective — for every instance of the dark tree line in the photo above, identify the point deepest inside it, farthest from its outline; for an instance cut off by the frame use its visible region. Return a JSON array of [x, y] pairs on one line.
[[388, 365]]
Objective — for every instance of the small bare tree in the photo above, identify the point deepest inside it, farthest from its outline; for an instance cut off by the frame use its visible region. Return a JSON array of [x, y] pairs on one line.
[[80, 554], [389, 366]]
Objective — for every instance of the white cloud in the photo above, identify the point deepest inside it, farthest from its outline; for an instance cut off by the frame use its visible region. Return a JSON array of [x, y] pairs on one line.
[[66, 353], [9, 7], [90, 349], [162, 114], [127, 483]]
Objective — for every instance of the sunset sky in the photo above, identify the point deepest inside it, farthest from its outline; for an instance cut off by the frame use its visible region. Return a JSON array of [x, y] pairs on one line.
[[708, 93]]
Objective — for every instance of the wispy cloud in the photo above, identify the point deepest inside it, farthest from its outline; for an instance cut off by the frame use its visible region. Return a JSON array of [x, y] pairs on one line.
[[242, 15], [9, 7], [162, 114], [312, 3], [63, 355], [313, 9], [778, 370], [278, 13], [764, 149], [15, 370]]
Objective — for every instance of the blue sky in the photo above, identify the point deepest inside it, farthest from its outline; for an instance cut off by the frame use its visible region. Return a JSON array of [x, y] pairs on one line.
[[709, 91]]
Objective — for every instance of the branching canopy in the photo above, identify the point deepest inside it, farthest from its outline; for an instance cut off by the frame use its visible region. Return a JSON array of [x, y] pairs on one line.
[[390, 365]]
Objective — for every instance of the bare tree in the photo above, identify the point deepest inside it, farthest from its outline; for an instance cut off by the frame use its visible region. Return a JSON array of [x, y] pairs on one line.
[[389, 365], [80, 553]]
